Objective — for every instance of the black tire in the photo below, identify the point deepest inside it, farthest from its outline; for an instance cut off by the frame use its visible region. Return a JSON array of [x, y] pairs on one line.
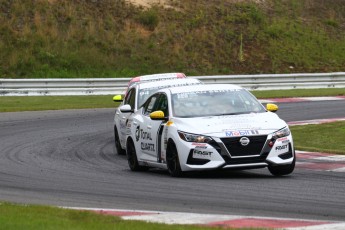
[[282, 170], [118, 147], [132, 158], [173, 162]]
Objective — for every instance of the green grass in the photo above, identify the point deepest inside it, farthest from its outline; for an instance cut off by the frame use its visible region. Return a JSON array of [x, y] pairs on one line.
[[36, 103], [34, 217], [327, 138], [68, 39], [299, 93]]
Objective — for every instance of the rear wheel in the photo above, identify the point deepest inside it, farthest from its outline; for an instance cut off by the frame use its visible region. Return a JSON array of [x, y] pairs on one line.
[[281, 170], [173, 161], [132, 158], [118, 147]]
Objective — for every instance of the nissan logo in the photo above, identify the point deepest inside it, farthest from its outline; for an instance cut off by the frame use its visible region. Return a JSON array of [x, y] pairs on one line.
[[244, 141]]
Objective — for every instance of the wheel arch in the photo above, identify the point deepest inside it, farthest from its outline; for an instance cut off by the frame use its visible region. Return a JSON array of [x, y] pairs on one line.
[[129, 140], [170, 143]]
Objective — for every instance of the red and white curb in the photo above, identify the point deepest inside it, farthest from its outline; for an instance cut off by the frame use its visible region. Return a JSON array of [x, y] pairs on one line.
[[320, 161], [223, 221], [316, 121], [301, 99]]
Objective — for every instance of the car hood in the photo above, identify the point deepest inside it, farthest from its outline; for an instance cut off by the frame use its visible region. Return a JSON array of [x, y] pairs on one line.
[[231, 125]]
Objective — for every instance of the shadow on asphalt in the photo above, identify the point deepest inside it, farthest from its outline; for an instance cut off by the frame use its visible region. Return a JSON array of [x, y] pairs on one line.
[[223, 174]]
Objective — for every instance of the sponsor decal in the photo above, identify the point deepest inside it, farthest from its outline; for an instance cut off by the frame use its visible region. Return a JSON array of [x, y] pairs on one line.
[[165, 137], [128, 126], [237, 133], [137, 133], [129, 123], [202, 154], [145, 135], [140, 134], [147, 146], [282, 148], [201, 147], [147, 92], [283, 140], [193, 94], [199, 144]]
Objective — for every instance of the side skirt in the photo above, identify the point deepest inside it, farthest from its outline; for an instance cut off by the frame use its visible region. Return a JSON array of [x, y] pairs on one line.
[[153, 164]]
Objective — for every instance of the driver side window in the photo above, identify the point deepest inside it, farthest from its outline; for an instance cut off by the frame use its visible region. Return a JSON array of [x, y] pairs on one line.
[[162, 105], [130, 98], [150, 105]]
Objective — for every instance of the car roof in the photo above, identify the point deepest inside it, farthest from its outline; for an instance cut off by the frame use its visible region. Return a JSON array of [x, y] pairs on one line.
[[203, 87], [156, 77], [169, 83]]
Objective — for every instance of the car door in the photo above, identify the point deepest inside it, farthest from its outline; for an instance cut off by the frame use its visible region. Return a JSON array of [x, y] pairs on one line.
[[148, 131], [159, 126], [123, 117]]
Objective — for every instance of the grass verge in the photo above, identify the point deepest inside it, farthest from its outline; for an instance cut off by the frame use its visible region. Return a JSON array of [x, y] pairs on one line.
[[17, 104], [34, 217], [32, 103], [327, 138], [299, 93]]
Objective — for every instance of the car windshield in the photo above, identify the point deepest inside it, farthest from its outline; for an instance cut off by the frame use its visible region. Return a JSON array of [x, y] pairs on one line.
[[145, 93], [215, 103]]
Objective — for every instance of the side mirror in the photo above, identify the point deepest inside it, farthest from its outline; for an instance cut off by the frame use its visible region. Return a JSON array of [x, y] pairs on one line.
[[272, 107], [118, 98], [157, 115], [126, 109]]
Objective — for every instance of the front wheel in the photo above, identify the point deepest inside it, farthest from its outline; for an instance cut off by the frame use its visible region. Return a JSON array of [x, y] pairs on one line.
[[281, 170], [118, 147], [132, 158], [173, 161]]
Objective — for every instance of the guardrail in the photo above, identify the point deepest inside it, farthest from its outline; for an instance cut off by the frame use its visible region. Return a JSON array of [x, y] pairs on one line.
[[111, 86]]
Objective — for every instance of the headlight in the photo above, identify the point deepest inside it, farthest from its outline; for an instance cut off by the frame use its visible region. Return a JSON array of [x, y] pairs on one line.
[[189, 137], [281, 133]]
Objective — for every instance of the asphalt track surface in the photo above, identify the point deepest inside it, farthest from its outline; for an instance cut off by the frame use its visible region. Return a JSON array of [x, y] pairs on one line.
[[67, 158]]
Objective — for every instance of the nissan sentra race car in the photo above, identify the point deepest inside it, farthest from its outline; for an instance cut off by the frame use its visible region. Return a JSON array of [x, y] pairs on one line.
[[156, 77], [151, 78], [136, 96], [207, 127]]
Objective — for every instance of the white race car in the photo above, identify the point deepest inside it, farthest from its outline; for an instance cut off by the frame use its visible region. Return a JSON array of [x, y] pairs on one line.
[[150, 78], [206, 127], [136, 95]]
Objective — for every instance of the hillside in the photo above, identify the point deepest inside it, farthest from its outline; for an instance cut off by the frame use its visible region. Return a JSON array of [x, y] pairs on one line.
[[107, 38]]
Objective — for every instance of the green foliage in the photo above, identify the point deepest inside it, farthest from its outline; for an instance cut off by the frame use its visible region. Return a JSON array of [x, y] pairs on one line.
[[149, 18], [332, 22], [116, 39]]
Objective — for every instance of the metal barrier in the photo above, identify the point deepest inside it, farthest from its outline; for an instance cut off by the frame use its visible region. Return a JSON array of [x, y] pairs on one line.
[[112, 86], [281, 81]]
